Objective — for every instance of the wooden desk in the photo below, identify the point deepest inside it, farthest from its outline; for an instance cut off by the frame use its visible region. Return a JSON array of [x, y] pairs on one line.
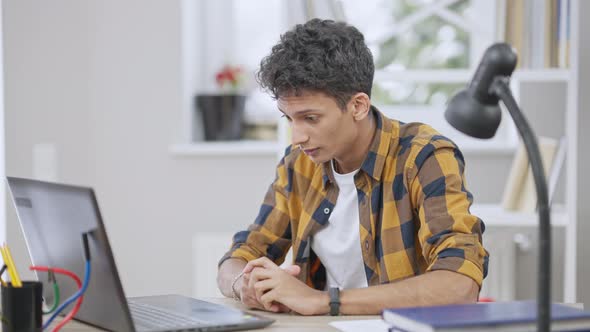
[[283, 322]]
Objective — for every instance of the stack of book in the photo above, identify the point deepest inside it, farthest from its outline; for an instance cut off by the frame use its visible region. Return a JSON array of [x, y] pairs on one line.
[[495, 316]]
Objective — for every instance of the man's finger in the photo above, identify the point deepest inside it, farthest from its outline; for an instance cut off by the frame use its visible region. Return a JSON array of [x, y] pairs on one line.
[[245, 278], [247, 294], [263, 286], [259, 262], [259, 274], [267, 300], [251, 302], [283, 308], [293, 270], [275, 307]]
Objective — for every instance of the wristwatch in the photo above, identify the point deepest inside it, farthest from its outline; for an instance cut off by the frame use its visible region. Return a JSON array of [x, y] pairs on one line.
[[334, 293]]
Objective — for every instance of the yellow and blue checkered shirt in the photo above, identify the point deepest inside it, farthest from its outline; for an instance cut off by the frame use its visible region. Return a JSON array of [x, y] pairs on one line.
[[413, 209]]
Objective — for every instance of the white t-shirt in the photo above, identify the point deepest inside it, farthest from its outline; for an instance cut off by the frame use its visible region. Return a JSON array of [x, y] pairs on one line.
[[338, 244]]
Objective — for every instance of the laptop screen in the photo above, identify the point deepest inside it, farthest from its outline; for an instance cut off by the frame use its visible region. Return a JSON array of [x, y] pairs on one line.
[[53, 218]]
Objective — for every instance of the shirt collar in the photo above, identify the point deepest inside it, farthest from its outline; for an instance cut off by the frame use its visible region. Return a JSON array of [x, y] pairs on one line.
[[378, 150]]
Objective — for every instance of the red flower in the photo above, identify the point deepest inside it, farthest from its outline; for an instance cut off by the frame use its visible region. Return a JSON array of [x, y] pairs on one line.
[[228, 75]]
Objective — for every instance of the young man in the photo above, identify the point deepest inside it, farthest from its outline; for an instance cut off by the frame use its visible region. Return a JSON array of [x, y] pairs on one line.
[[376, 210]]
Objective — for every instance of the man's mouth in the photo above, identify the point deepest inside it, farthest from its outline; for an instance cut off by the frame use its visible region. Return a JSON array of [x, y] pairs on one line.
[[310, 151]]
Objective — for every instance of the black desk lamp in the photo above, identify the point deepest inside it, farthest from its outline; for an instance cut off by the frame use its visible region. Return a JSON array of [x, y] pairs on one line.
[[475, 111]]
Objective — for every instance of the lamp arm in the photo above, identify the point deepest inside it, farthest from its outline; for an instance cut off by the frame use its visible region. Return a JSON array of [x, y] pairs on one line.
[[501, 88]]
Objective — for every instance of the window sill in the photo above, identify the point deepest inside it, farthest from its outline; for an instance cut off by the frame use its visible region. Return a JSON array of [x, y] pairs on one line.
[[272, 148], [247, 148]]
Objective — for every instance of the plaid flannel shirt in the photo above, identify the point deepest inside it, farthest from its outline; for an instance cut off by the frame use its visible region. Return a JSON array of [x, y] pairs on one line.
[[413, 209]]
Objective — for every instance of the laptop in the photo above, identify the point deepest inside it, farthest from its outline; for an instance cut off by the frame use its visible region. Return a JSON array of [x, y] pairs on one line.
[[53, 218]]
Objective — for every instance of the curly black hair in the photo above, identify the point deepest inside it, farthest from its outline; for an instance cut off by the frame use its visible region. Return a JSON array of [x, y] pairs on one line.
[[319, 56]]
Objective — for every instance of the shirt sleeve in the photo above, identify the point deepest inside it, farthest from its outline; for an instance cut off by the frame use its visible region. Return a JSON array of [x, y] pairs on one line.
[[270, 234], [450, 236]]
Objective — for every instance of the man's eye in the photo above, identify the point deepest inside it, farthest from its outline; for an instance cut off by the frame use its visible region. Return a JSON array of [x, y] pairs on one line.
[[311, 118]]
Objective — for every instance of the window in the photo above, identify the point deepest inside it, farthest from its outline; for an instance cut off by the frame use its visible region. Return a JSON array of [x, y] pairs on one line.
[[258, 26], [228, 32], [424, 50]]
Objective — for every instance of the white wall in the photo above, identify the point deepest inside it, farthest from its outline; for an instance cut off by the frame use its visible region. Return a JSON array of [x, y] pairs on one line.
[[2, 164], [101, 80], [46, 93]]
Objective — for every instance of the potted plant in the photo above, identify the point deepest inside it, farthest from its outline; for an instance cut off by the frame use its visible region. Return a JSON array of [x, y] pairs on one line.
[[223, 112]]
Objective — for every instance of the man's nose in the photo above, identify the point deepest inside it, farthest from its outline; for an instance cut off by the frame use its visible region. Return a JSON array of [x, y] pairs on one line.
[[298, 137]]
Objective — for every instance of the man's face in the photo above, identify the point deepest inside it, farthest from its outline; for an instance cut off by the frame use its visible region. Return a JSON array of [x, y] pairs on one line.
[[318, 126]]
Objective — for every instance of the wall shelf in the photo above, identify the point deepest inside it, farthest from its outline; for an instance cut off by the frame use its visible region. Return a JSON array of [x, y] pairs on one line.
[[449, 76], [487, 148], [495, 215], [543, 75]]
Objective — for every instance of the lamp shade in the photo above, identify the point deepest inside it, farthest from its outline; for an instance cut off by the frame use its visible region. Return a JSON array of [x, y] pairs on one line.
[[471, 117], [475, 110]]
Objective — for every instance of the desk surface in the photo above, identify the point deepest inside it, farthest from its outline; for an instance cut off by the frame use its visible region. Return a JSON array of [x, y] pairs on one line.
[[283, 322]]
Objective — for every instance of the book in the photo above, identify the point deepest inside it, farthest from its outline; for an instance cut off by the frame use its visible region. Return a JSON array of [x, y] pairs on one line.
[[563, 32], [551, 46], [494, 316], [520, 193], [558, 161], [515, 180], [514, 32], [535, 16], [528, 200]]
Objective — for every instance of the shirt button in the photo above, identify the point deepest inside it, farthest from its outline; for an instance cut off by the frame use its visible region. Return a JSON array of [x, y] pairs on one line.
[[326, 210], [367, 244]]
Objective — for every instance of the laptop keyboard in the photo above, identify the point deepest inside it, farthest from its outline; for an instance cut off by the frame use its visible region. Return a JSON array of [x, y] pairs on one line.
[[146, 316]]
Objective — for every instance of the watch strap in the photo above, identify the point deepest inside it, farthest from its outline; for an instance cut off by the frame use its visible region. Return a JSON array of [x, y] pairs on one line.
[[334, 293]]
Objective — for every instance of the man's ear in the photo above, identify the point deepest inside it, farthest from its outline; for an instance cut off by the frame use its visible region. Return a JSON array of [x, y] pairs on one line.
[[360, 104]]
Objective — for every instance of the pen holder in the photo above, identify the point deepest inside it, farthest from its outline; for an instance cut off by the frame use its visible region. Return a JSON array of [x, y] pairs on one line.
[[21, 307]]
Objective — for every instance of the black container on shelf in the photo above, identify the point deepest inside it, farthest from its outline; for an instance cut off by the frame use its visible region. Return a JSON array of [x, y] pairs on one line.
[[222, 115]]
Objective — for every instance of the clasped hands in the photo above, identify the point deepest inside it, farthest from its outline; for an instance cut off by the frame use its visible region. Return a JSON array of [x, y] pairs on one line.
[[267, 286]]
